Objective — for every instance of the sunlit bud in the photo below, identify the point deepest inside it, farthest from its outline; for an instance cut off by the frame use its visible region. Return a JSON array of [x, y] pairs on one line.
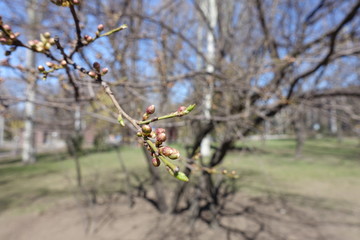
[[100, 27], [50, 64], [161, 137], [39, 47], [7, 27], [31, 43], [47, 46], [152, 134], [88, 38], [145, 116], [104, 71], [92, 74], [233, 172], [159, 130], [139, 134], [155, 162], [63, 63], [3, 40], [41, 68], [52, 41], [146, 129], [166, 151], [12, 36], [224, 171], [76, 2], [175, 154], [47, 35], [17, 34], [181, 109], [96, 66], [150, 109]]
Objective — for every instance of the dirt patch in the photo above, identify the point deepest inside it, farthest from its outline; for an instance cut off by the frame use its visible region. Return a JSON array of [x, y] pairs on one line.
[[244, 218]]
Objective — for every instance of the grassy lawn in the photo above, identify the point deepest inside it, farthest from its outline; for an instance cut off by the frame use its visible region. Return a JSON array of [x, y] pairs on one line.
[[329, 171]]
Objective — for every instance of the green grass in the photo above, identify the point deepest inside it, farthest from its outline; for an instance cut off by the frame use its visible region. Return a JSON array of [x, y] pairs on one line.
[[328, 171]]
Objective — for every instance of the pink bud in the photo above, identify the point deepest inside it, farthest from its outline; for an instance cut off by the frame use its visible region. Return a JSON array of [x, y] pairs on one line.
[[31, 43], [7, 27], [146, 129], [175, 154], [88, 38], [100, 27], [155, 162], [41, 68], [92, 74], [150, 109], [49, 64], [104, 71], [166, 151], [63, 63], [159, 130], [181, 109], [161, 137]]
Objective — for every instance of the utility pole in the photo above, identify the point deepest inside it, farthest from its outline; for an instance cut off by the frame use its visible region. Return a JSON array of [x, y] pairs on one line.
[[210, 10], [28, 149]]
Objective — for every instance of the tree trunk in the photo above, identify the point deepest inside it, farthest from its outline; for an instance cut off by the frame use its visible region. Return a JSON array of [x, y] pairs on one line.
[[210, 9], [28, 149]]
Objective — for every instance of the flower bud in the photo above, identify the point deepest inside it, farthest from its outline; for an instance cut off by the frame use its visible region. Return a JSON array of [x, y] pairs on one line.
[[152, 134], [7, 27], [47, 35], [175, 154], [50, 64], [159, 130], [145, 117], [104, 71], [31, 43], [41, 68], [181, 109], [100, 27], [12, 36], [146, 129], [52, 41], [47, 46], [224, 171], [76, 2], [166, 151], [161, 137], [63, 63], [150, 109], [155, 162], [96, 66], [92, 74], [88, 38], [139, 134]]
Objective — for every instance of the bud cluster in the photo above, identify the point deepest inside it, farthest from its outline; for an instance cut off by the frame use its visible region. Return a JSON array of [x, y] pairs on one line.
[[159, 137], [97, 71], [44, 44], [7, 36], [149, 110]]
